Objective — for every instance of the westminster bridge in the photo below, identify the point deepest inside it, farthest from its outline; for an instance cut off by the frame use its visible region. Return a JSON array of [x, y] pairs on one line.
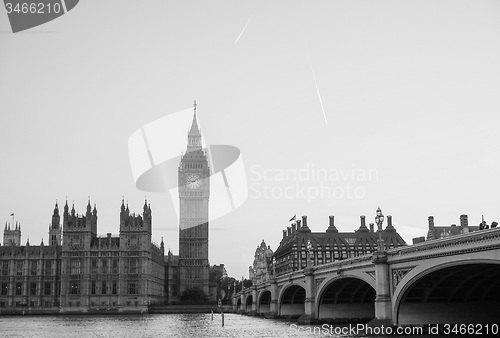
[[449, 280]]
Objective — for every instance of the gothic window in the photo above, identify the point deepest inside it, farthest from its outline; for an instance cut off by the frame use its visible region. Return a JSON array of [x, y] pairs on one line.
[[132, 288], [19, 289], [75, 241], [133, 242], [19, 268], [33, 289], [34, 267], [104, 266], [92, 288], [47, 267], [4, 289], [114, 288], [46, 289], [93, 265], [74, 267], [103, 288], [74, 287], [5, 268], [114, 266], [132, 265]]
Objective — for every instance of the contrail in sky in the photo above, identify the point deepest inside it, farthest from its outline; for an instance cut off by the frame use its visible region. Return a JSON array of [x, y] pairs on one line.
[[319, 95], [239, 36]]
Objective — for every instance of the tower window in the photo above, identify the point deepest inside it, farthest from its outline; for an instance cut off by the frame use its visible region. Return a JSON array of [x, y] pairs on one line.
[[75, 267]]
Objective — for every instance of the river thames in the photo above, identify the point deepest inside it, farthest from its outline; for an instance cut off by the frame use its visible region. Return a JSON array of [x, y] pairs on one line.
[[158, 325]]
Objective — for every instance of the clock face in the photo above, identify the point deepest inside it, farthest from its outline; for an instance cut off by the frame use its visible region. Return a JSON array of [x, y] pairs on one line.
[[193, 181]]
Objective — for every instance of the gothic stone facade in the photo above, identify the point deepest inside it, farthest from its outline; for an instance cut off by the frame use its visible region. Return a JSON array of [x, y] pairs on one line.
[[80, 271]]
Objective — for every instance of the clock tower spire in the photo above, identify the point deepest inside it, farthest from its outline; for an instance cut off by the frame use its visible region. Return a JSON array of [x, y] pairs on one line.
[[194, 192], [194, 135]]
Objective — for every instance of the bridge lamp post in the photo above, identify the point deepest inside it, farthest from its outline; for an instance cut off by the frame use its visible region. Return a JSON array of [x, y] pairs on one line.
[[379, 219], [274, 266]]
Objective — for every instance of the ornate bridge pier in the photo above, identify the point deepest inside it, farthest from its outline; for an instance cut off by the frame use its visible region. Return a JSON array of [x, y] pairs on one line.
[[383, 305], [310, 301]]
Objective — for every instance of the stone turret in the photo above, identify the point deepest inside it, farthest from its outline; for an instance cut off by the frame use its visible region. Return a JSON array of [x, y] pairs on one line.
[[55, 226], [12, 236]]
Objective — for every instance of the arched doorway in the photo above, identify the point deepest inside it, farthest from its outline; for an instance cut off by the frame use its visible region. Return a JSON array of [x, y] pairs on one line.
[[248, 304]]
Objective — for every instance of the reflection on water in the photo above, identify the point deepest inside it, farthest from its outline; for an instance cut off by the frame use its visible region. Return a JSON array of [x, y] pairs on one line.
[[161, 325]]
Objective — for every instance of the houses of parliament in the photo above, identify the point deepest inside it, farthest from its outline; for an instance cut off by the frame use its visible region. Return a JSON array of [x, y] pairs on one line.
[[78, 270]]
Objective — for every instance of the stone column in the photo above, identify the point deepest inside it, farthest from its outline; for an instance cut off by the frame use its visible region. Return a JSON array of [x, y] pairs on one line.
[[243, 304], [273, 306], [12, 284], [383, 305], [254, 300], [235, 302]]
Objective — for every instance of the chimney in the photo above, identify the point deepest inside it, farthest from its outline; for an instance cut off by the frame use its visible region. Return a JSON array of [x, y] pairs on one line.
[[431, 222], [298, 224], [464, 222], [331, 227], [284, 234], [294, 227], [289, 231], [363, 223], [304, 221], [389, 222], [372, 227]]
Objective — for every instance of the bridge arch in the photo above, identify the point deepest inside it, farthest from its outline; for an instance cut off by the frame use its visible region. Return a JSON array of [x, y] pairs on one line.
[[463, 291], [346, 298], [264, 302], [292, 300]]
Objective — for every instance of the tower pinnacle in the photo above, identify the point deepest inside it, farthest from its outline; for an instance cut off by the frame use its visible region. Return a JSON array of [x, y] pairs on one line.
[[194, 135]]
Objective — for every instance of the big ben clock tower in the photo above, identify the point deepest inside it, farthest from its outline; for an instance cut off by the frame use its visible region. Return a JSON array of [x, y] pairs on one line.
[[194, 192]]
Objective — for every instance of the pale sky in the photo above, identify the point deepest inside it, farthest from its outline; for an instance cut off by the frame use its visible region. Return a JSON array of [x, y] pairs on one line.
[[395, 101]]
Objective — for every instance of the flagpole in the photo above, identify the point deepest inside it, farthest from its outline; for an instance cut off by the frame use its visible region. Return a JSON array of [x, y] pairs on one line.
[[13, 225]]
